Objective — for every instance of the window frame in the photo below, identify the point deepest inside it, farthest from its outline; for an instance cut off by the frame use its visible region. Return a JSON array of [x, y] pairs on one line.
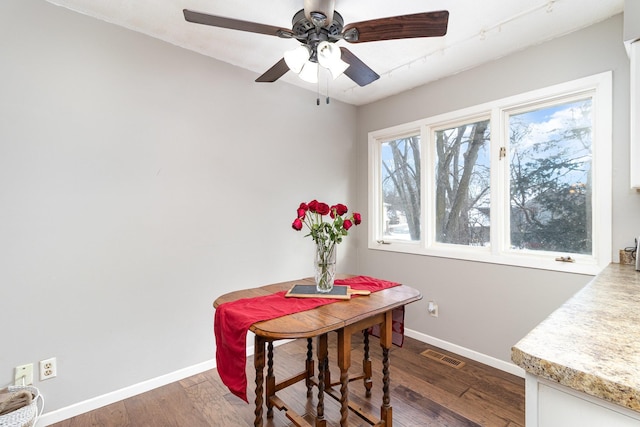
[[598, 87]]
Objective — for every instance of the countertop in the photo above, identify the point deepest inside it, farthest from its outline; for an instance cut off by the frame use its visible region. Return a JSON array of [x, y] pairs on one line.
[[592, 342]]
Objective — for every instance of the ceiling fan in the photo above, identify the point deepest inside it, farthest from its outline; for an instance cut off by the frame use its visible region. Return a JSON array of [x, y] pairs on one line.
[[318, 27]]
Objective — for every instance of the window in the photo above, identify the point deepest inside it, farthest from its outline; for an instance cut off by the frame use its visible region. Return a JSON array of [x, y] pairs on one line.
[[462, 179], [521, 181], [550, 178], [400, 169]]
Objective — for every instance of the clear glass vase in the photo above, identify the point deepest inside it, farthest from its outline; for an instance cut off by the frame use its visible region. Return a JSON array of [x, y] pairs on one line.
[[325, 267]]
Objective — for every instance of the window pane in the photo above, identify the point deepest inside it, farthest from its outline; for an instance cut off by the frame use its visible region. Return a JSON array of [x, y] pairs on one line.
[[401, 188], [550, 150], [463, 184]]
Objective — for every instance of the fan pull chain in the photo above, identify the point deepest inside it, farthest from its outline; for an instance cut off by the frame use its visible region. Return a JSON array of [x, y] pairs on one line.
[[327, 90], [327, 97]]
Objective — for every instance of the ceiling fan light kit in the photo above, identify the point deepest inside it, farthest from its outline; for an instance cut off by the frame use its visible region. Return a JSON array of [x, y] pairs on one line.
[[318, 27], [300, 61]]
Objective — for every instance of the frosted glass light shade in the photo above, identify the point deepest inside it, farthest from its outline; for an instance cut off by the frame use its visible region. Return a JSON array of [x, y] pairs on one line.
[[329, 57], [297, 58], [309, 72]]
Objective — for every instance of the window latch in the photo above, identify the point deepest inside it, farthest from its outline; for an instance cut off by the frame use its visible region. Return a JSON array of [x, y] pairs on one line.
[[503, 153], [565, 259], [382, 242]]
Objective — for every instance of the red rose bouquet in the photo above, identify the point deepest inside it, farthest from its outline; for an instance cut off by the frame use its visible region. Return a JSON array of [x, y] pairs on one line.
[[325, 234]]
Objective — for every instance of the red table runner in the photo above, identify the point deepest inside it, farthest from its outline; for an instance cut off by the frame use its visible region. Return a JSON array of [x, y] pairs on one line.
[[233, 319]]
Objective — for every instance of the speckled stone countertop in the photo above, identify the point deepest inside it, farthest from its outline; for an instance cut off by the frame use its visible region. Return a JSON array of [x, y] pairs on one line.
[[592, 342]]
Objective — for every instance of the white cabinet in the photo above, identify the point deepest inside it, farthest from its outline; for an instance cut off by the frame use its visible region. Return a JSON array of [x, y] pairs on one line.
[[551, 405]]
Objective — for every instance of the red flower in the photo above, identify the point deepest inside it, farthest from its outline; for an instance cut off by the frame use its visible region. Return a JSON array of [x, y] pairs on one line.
[[323, 208], [325, 233], [357, 218], [341, 209], [338, 209]]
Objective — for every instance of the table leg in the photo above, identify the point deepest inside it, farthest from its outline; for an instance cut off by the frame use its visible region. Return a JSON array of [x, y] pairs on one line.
[[309, 366], [323, 356], [271, 379], [258, 363], [385, 342], [344, 361], [366, 365]]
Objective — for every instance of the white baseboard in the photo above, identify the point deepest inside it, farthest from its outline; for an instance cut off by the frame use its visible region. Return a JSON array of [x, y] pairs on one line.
[[465, 352], [76, 409], [58, 415]]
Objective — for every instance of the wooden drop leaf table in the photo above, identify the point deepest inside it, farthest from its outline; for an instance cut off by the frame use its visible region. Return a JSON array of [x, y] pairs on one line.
[[344, 317]]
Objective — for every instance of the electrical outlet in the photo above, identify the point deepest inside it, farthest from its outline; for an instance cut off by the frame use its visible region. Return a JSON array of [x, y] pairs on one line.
[[24, 375], [432, 308], [48, 368]]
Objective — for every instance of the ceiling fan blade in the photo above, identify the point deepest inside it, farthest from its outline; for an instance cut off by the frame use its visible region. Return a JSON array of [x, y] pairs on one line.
[[235, 24], [274, 73], [427, 24], [358, 71]]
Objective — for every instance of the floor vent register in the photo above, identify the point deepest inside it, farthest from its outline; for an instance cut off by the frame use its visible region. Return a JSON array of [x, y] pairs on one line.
[[444, 359]]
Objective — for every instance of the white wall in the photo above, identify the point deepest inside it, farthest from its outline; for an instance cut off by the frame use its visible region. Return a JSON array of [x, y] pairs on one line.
[[138, 182], [487, 308]]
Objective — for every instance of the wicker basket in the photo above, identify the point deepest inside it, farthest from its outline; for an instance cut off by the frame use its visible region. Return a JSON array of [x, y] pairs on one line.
[[27, 415]]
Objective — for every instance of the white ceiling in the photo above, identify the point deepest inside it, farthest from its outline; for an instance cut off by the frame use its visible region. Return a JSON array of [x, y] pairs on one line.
[[479, 31]]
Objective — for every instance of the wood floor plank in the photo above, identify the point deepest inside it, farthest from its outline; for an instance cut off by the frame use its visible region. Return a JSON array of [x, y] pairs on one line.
[[167, 406], [208, 399], [438, 415], [107, 416], [490, 404]]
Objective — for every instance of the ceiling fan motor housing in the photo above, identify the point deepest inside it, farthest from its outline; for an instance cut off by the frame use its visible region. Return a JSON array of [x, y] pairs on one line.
[[309, 34], [301, 26]]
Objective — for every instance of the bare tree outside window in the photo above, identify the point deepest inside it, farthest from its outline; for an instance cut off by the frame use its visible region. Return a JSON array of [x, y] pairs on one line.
[[463, 184], [550, 153], [401, 188]]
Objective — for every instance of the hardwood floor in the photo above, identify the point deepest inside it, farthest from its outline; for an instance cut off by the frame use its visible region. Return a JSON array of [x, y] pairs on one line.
[[424, 392]]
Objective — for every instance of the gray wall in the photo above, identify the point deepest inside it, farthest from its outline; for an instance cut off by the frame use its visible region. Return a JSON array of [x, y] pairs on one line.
[[138, 182], [631, 20], [488, 308]]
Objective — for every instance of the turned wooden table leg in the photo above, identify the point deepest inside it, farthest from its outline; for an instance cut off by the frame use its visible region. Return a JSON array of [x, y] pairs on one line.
[[258, 362], [327, 374], [323, 355], [309, 366], [366, 365], [344, 361], [386, 413], [271, 379]]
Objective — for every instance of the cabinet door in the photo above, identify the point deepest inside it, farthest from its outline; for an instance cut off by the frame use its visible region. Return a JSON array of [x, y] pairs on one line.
[[558, 408]]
